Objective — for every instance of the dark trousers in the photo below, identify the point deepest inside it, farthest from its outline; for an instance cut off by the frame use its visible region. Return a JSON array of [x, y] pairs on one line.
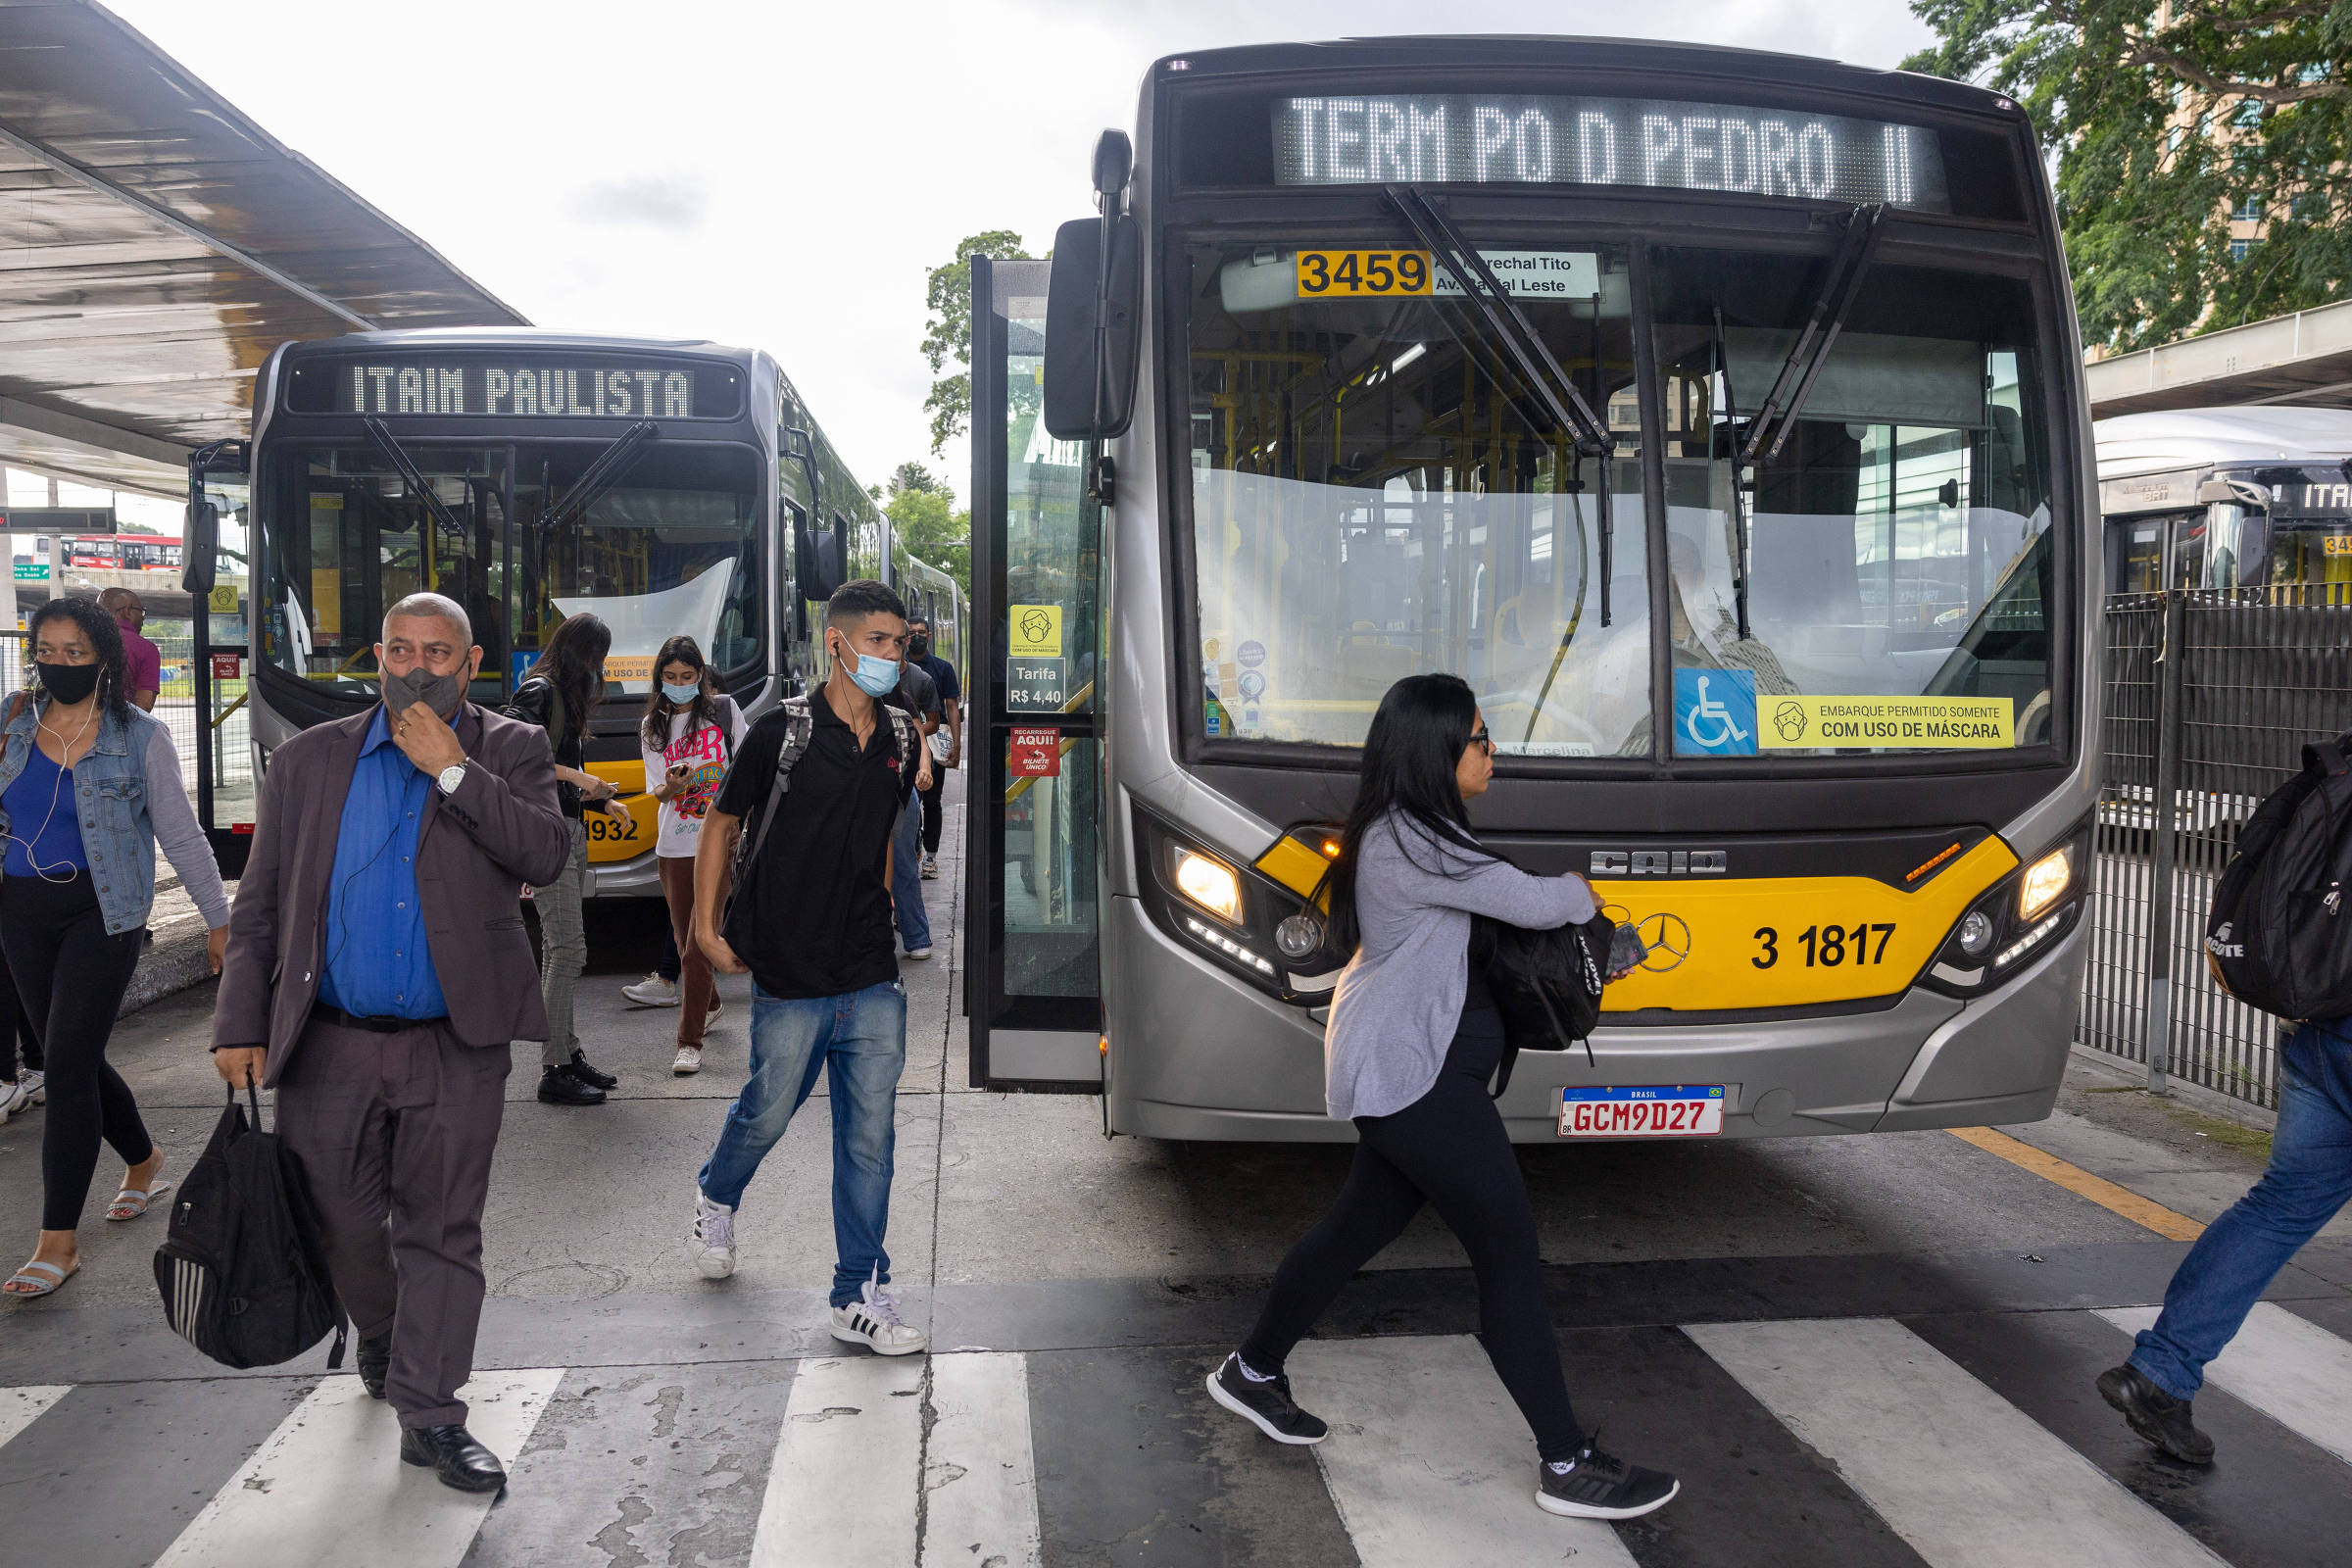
[[934, 816], [395, 1133], [70, 976], [20, 1042], [1448, 1147]]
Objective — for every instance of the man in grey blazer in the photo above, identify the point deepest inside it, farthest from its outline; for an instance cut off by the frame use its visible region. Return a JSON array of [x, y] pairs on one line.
[[376, 971]]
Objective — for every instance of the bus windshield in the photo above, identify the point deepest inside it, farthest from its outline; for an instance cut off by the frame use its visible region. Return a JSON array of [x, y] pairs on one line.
[[669, 547]]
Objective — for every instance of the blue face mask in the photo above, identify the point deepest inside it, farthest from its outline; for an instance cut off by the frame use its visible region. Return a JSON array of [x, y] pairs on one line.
[[680, 695], [873, 675]]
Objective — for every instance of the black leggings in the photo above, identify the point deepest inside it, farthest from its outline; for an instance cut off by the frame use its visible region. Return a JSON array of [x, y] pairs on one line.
[[1448, 1147], [934, 816], [71, 976], [15, 1030]]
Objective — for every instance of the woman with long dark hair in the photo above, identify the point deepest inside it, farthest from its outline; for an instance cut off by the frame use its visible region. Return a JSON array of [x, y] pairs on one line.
[[689, 735], [1414, 1036], [89, 787], [560, 698]]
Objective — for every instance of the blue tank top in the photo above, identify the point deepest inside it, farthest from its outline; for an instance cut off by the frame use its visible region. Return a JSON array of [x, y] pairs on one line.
[[55, 834]]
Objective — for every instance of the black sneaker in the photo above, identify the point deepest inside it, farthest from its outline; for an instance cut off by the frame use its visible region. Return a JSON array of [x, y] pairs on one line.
[[375, 1364], [587, 1074], [1600, 1486], [559, 1086], [2155, 1414], [1267, 1404]]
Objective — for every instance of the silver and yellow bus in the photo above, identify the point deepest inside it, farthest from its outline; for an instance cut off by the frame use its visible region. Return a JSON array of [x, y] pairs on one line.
[[1715, 413], [670, 487], [2228, 498]]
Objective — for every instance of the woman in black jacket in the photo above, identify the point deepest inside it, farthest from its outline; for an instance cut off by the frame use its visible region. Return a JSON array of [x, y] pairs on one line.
[[559, 698]]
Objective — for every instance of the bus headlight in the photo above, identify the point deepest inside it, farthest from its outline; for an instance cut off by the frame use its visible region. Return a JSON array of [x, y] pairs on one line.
[[1211, 884], [1976, 934], [2045, 882], [1299, 937]]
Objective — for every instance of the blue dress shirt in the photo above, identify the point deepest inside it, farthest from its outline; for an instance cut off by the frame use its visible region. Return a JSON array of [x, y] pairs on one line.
[[377, 963]]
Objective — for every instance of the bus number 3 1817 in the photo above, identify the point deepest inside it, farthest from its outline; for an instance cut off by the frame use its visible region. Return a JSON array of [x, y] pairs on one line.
[[1827, 946]]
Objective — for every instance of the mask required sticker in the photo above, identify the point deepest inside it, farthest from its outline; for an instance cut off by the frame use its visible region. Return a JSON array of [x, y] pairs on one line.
[[1813, 724]]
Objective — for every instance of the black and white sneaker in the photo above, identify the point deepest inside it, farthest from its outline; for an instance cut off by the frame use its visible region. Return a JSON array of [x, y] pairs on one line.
[[1267, 1404], [1600, 1486]]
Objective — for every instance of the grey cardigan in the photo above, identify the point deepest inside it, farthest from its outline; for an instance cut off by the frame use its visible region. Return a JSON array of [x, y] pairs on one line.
[[1400, 997]]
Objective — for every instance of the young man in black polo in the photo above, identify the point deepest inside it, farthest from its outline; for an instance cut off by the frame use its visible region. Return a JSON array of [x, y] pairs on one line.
[[811, 923]]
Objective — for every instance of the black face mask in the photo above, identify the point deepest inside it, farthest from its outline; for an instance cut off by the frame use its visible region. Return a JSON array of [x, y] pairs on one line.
[[68, 684], [917, 647]]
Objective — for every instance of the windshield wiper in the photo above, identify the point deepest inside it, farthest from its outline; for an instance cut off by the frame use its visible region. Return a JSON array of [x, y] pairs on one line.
[[397, 456], [1731, 415], [1777, 416], [1526, 347], [610, 466]]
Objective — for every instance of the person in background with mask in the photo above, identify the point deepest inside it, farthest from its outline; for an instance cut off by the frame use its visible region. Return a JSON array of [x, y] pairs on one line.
[[946, 742], [810, 922], [89, 786], [689, 735], [377, 976], [142, 661]]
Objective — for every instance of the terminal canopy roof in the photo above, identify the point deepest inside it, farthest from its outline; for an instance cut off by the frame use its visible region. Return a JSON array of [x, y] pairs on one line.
[[155, 246]]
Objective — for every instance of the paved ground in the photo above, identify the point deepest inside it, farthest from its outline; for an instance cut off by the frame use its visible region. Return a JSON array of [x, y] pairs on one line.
[[1855, 1350]]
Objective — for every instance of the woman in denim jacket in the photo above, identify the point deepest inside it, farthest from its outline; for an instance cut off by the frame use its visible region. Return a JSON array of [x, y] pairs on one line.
[[88, 787]]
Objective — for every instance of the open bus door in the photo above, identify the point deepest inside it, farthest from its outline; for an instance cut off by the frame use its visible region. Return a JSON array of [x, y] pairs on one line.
[[216, 574], [1032, 961]]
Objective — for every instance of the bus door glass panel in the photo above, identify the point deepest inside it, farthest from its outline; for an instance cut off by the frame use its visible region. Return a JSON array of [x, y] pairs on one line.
[[670, 547], [215, 686], [2136, 554], [1375, 493], [1045, 763], [350, 536], [1899, 544]]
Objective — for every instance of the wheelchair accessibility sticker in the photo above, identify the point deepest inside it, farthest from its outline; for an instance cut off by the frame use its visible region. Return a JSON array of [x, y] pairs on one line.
[[1714, 713]]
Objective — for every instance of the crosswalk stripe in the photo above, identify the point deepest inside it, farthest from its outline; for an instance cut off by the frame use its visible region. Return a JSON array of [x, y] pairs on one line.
[[1428, 1462], [979, 1468], [2289, 1368], [330, 1486], [20, 1407], [1960, 1473], [843, 1483]]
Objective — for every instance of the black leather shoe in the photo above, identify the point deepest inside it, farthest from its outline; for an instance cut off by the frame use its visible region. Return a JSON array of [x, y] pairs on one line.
[[375, 1360], [559, 1086], [451, 1454], [587, 1074], [2155, 1414]]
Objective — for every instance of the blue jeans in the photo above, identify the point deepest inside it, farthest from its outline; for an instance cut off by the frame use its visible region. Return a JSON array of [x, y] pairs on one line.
[[859, 1040], [2309, 1179], [906, 876]]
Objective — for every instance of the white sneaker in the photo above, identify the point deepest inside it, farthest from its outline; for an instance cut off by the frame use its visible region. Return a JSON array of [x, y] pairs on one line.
[[713, 1246], [717, 1007], [652, 992], [12, 1096], [918, 953], [875, 1321], [930, 868], [33, 1089], [689, 1059]]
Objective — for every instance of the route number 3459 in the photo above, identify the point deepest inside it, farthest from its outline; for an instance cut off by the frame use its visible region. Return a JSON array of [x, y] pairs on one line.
[[1827, 946]]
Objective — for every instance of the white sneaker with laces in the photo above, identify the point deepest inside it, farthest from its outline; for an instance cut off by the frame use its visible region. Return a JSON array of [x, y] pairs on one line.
[[689, 1059], [12, 1096], [918, 953], [33, 1089], [930, 868], [652, 992], [874, 1321], [714, 1245]]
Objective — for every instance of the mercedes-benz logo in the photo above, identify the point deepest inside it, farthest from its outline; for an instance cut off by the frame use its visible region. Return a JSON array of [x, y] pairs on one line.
[[1667, 940]]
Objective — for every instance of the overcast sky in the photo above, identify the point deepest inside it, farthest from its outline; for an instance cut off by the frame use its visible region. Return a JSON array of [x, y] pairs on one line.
[[782, 176]]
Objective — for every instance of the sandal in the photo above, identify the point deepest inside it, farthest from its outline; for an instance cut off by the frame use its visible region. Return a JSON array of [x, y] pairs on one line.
[[131, 1203], [29, 1277]]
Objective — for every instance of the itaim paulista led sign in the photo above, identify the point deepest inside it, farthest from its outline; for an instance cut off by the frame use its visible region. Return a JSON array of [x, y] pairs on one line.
[[592, 391], [1464, 138]]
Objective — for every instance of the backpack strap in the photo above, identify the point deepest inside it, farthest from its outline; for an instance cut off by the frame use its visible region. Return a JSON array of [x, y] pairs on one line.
[[798, 728], [2328, 755]]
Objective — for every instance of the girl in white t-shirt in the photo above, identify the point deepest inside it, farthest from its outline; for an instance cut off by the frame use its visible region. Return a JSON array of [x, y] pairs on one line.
[[689, 738]]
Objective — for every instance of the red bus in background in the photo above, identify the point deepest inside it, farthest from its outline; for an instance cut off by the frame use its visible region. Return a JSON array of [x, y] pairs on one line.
[[123, 551]]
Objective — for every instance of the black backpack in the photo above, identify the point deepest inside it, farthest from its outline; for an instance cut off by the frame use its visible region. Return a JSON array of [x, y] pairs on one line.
[[243, 1273], [1547, 984], [2277, 936]]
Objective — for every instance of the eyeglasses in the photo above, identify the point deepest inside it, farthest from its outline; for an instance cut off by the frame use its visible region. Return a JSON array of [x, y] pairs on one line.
[[1484, 740]]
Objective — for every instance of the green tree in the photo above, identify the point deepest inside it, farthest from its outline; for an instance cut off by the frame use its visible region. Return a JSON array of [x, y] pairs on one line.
[[948, 332], [2164, 119], [925, 520], [913, 476]]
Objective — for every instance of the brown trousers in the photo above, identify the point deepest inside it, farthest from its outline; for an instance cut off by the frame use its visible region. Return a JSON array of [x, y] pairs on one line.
[[395, 1133], [697, 984]]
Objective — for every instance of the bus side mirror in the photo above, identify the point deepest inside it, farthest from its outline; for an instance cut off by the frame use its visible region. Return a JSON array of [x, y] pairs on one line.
[[1079, 358], [197, 558]]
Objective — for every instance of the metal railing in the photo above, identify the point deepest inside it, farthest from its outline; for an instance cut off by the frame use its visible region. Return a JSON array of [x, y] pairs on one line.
[[2211, 698]]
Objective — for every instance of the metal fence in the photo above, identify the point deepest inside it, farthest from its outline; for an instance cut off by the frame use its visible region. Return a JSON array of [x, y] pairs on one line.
[[2211, 697], [174, 705]]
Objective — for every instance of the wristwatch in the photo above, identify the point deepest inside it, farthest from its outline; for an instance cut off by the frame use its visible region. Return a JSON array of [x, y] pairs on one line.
[[450, 778]]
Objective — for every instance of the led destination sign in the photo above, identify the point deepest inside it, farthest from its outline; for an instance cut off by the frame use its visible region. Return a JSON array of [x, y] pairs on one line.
[[500, 387], [1518, 139]]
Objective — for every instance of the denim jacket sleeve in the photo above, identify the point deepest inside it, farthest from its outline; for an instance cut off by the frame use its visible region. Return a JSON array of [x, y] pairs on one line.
[[176, 832]]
